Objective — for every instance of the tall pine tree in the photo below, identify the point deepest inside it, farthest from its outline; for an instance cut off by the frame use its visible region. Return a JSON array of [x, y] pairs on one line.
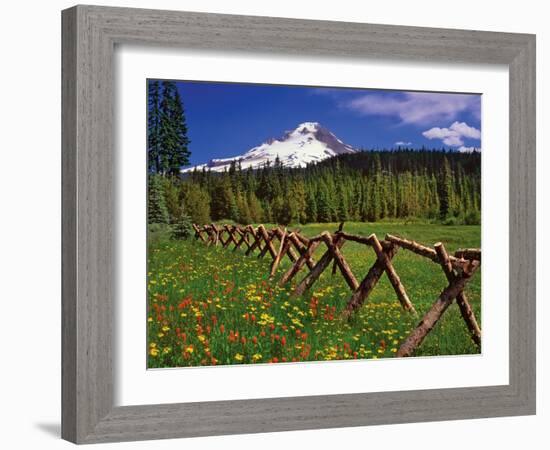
[[153, 127], [174, 150], [157, 212]]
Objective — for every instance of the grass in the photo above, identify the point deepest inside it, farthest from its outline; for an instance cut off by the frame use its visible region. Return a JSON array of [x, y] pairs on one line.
[[210, 305]]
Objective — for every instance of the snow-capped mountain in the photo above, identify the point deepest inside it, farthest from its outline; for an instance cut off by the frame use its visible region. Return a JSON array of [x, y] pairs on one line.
[[308, 143]]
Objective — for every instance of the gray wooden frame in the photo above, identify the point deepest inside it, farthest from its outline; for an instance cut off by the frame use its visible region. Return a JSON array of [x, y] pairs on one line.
[[89, 36]]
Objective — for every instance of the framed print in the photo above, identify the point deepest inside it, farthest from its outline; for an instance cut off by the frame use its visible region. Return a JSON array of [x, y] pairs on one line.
[[268, 230]]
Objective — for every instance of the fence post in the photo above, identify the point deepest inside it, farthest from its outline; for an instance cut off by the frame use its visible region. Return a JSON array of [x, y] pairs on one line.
[[434, 314], [318, 269], [392, 274], [340, 261], [305, 256], [461, 300], [368, 283], [283, 249]]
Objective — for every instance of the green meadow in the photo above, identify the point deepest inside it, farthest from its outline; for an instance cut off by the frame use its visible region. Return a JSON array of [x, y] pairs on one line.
[[215, 306]]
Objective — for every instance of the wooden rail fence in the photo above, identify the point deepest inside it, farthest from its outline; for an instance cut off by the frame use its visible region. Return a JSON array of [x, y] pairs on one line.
[[299, 249]]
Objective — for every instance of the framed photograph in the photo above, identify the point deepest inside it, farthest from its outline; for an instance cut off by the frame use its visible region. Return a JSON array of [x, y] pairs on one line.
[[268, 230]]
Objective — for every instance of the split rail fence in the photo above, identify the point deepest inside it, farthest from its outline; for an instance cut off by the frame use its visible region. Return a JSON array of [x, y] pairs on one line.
[[280, 243]]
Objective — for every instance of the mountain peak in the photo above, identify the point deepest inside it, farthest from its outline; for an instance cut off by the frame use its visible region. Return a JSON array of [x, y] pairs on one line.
[[308, 143], [308, 126]]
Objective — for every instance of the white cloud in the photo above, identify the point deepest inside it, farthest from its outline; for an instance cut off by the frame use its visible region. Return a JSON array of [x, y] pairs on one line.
[[416, 107], [453, 136], [465, 130], [402, 143]]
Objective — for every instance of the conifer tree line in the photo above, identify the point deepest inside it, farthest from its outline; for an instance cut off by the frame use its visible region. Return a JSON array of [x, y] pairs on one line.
[[167, 141], [365, 186]]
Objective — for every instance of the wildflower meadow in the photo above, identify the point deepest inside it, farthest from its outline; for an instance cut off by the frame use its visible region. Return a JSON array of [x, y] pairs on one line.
[[208, 305]]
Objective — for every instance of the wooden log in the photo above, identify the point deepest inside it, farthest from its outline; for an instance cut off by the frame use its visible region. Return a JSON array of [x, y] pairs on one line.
[[242, 239], [306, 255], [283, 249], [243, 232], [367, 285], [304, 240], [198, 233], [256, 242], [392, 275], [341, 262], [234, 234], [301, 248], [335, 264], [290, 252], [461, 299], [231, 229], [317, 270], [468, 253], [431, 318], [268, 237], [215, 235], [355, 238], [265, 249], [221, 237], [209, 240], [246, 234], [334, 267], [427, 252], [269, 242], [292, 255]]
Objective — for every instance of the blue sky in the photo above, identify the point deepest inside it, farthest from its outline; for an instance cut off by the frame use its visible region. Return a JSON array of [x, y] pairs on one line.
[[227, 119]]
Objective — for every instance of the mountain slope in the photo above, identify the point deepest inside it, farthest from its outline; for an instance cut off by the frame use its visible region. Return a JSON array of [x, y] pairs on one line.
[[308, 143]]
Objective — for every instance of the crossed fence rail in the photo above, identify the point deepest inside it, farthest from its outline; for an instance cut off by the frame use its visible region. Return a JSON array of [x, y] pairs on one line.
[[280, 243]]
